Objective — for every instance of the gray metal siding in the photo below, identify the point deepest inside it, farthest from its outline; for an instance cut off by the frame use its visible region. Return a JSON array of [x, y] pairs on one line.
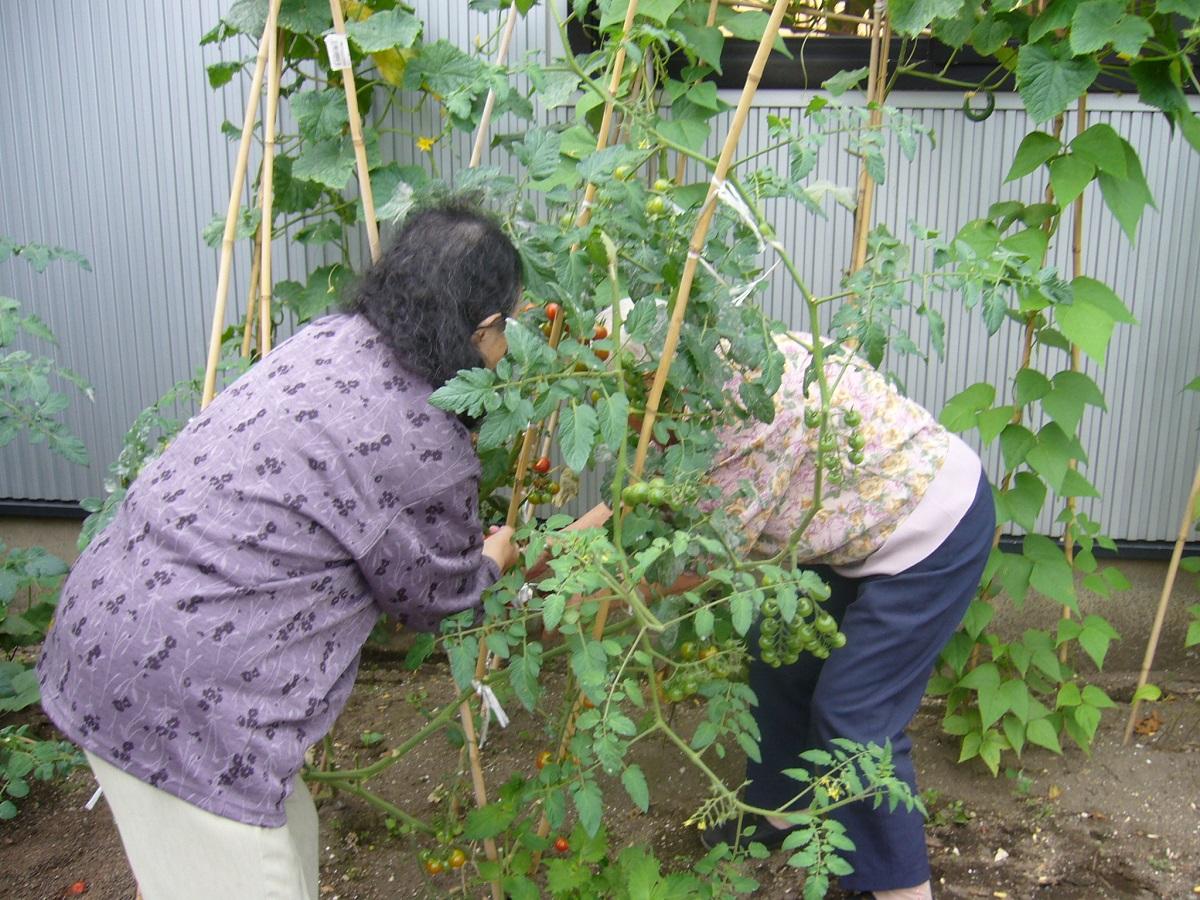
[[112, 147]]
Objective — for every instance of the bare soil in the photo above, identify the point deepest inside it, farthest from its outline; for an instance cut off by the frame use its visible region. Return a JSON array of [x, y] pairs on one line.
[[1122, 823]]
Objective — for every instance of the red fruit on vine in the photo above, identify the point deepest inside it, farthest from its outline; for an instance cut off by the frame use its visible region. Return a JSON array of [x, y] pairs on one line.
[[552, 310], [543, 759], [601, 354], [542, 466], [434, 866], [561, 845], [600, 333], [458, 858], [79, 887]]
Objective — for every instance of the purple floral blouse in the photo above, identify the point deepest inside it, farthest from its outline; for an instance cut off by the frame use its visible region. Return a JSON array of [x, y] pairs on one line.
[[211, 633]]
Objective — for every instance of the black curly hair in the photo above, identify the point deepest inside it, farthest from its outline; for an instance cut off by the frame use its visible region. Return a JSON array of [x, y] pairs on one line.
[[448, 268]]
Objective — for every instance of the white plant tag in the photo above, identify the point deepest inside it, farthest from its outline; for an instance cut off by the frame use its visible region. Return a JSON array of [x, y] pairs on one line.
[[91, 804], [339, 50]]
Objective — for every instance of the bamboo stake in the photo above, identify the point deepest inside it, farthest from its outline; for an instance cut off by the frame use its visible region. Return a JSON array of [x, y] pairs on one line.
[[268, 196], [490, 103], [231, 216], [1189, 516], [801, 11], [881, 38], [252, 297], [360, 148], [1076, 271]]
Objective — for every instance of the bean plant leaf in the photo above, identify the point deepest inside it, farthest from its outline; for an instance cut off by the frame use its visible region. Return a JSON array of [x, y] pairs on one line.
[[1102, 147], [1069, 175], [385, 30], [1049, 77], [1127, 197]]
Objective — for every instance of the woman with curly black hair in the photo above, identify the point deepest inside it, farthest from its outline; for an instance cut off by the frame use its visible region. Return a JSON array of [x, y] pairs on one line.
[[211, 634]]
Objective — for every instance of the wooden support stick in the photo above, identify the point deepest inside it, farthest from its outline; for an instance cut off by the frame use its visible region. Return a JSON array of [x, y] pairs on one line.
[[252, 297], [881, 38], [1189, 516], [268, 194], [231, 216], [360, 148], [490, 103], [1076, 271]]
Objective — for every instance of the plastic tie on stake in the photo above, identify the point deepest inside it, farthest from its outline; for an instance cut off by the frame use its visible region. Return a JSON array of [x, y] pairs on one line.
[[338, 49], [91, 804], [491, 706], [730, 198], [523, 596]]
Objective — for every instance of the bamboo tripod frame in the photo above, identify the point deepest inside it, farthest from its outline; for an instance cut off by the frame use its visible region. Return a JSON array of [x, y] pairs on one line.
[[231, 216]]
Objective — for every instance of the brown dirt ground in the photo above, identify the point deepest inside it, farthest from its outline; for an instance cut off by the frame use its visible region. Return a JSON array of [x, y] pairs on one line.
[[1122, 823]]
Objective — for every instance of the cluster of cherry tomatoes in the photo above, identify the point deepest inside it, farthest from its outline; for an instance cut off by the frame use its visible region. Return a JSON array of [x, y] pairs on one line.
[[781, 642], [698, 662], [831, 459], [540, 486]]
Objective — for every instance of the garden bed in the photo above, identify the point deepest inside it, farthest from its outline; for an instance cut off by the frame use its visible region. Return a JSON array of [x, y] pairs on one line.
[[1123, 823]]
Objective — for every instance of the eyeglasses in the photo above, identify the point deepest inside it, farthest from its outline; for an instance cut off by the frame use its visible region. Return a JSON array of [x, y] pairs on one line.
[[496, 320]]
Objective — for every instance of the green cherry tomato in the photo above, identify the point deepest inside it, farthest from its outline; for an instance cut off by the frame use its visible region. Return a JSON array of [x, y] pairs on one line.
[[770, 657], [855, 457], [675, 692], [806, 632], [791, 657], [812, 417], [837, 640], [636, 493], [825, 623], [852, 417], [769, 627], [856, 441], [770, 609], [656, 206], [804, 607], [687, 651], [662, 184], [658, 496]]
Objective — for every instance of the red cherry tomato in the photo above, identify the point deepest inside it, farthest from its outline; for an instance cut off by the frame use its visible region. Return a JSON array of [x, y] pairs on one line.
[[552, 311], [561, 845], [600, 333], [79, 887], [542, 466]]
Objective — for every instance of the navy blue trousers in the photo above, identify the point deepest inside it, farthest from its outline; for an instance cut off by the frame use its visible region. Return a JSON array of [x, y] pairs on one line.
[[869, 691]]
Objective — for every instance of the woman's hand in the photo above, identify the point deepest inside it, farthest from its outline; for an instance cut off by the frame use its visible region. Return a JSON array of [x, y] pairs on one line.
[[498, 546]]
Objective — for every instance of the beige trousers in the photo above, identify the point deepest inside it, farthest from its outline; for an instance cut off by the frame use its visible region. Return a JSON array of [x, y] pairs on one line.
[[180, 852]]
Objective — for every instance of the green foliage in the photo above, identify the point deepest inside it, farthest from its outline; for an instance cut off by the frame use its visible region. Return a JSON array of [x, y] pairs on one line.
[[25, 758]]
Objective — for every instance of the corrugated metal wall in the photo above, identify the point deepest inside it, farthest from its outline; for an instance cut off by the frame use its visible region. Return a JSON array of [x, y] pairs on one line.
[[111, 146]]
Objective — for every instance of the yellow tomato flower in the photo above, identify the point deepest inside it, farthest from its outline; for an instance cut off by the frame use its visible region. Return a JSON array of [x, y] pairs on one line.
[[425, 144]]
